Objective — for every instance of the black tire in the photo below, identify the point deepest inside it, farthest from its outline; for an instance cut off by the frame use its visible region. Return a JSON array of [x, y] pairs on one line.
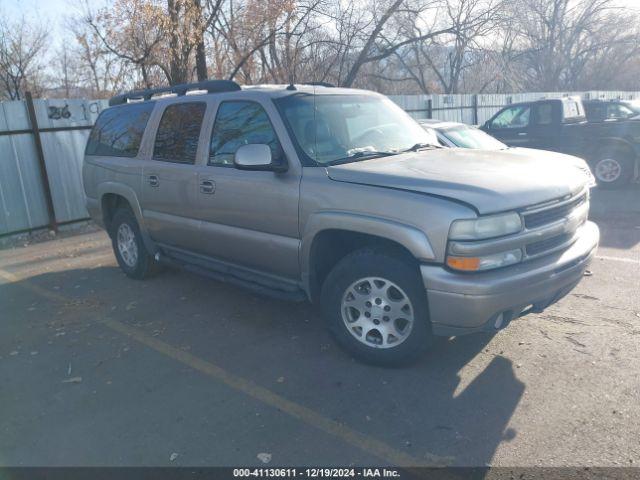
[[145, 265], [375, 263], [608, 163]]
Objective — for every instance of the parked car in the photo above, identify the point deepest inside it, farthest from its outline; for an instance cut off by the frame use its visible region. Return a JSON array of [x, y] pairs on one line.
[[611, 110], [611, 148], [461, 135], [335, 196]]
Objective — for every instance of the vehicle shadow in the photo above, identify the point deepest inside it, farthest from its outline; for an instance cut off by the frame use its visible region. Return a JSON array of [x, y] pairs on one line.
[[452, 407], [617, 213]]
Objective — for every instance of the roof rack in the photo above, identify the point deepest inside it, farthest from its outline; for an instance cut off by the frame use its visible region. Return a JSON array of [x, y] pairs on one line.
[[320, 84], [211, 86]]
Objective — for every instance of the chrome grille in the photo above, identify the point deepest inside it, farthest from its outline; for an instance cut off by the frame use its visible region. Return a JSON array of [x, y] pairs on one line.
[[551, 214]]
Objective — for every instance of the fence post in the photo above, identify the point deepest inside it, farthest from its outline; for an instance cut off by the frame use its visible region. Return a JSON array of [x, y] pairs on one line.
[[475, 109], [429, 108], [53, 224]]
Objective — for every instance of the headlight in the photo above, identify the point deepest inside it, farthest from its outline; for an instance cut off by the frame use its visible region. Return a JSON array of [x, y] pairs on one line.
[[485, 227], [486, 262]]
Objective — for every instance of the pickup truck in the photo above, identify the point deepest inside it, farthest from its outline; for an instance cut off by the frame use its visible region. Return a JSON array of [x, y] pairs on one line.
[[611, 110], [611, 148], [336, 196]]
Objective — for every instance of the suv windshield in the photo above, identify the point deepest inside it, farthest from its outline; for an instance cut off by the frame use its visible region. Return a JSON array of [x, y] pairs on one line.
[[333, 129]]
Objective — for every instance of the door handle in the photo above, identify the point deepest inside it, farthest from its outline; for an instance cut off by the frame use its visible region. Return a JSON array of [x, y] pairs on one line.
[[522, 134], [207, 187], [153, 180]]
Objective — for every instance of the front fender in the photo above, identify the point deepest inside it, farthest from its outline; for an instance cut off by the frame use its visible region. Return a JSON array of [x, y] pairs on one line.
[[411, 238]]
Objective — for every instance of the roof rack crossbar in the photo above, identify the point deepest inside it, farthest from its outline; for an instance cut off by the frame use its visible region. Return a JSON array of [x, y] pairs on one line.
[[211, 86]]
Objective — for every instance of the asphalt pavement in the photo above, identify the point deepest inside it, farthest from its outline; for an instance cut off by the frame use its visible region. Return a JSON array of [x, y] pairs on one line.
[[98, 369]]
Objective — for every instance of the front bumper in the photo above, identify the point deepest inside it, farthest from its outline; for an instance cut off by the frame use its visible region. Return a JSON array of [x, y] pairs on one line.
[[461, 303]]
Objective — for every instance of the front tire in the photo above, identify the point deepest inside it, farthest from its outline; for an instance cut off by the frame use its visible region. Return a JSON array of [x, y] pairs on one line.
[[133, 257], [375, 305]]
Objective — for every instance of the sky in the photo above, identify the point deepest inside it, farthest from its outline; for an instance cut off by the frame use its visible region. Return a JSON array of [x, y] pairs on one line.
[[52, 13]]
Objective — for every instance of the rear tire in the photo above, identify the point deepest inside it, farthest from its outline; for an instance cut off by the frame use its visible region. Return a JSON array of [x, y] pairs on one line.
[[133, 257], [613, 168], [375, 305]]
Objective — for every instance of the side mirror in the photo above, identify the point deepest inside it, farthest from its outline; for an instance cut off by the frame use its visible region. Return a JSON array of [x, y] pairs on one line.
[[486, 125], [256, 156]]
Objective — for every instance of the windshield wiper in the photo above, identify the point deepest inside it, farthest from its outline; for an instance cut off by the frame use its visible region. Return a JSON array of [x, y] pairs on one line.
[[418, 146], [362, 155]]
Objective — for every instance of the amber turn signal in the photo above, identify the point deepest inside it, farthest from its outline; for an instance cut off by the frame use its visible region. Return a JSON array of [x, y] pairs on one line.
[[470, 264]]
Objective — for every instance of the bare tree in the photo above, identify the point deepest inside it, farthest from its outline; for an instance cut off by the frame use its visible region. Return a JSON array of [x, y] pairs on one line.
[[557, 39], [132, 30], [390, 45], [22, 47]]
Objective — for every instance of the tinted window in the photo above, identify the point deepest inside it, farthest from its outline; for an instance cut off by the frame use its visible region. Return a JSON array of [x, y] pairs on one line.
[[178, 133], [514, 117], [237, 124], [118, 130], [544, 114], [595, 111]]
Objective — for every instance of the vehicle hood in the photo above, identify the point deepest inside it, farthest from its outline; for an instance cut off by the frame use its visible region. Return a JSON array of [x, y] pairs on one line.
[[490, 181], [576, 162]]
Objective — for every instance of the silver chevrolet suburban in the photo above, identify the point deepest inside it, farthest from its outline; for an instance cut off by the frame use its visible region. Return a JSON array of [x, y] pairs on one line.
[[339, 197]]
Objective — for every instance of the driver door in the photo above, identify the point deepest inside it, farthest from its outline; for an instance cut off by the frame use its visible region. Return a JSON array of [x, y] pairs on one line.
[[249, 218]]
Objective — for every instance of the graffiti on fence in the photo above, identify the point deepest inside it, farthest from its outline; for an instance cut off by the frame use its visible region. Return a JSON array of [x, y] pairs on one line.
[[57, 113], [94, 108]]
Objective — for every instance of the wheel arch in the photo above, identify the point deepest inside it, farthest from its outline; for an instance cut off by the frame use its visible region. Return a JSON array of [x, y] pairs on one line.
[[605, 143], [116, 195], [330, 236]]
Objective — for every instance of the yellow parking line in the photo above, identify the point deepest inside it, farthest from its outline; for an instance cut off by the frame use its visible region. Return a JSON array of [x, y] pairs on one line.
[[12, 278], [357, 439]]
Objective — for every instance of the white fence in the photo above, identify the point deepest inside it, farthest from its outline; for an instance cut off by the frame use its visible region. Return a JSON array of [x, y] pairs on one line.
[[477, 109], [41, 148]]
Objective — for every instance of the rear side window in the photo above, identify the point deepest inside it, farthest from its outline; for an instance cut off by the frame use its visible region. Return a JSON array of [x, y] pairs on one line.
[[118, 130], [544, 114], [241, 123], [572, 109], [178, 133]]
